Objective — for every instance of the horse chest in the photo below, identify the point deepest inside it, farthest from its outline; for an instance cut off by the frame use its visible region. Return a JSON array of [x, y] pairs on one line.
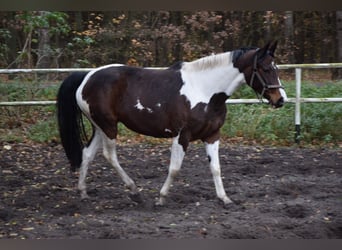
[[208, 119]]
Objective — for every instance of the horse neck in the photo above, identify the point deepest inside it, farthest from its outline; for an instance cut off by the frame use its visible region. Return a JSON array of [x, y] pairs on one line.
[[211, 75]]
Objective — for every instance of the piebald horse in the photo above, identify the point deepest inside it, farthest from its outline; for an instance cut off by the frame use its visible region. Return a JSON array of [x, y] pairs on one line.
[[185, 102]]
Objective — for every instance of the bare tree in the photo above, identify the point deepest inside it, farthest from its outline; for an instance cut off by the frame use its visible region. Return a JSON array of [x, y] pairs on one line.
[[43, 52], [339, 40], [289, 35]]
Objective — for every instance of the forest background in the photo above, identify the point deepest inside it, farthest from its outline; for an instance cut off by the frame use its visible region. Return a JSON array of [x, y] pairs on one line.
[[79, 39], [43, 39]]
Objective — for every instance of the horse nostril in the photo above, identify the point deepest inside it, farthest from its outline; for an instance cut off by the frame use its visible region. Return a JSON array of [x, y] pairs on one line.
[[280, 102]]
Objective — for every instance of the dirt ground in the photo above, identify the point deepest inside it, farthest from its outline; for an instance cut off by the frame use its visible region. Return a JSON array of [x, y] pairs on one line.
[[278, 192]]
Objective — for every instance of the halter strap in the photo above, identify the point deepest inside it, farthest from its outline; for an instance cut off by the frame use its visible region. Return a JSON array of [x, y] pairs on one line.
[[261, 79]]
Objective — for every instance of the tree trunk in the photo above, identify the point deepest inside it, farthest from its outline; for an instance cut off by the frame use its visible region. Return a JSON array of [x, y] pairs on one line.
[[78, 21], [289, 35], [268, 24], [339, 41], [44, 50]]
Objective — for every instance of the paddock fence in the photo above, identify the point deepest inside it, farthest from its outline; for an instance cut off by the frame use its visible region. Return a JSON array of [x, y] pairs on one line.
[[297, 100]]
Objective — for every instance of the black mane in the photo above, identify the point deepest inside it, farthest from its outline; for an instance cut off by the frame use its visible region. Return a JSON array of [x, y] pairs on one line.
[[241, 51]]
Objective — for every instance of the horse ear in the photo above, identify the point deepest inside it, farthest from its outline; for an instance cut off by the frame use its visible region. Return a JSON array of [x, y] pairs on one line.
[[262, 52], [273, 47]]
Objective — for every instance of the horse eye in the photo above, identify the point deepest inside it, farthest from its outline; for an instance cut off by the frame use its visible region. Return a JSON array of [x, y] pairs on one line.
[[269, 68], [266, 69]]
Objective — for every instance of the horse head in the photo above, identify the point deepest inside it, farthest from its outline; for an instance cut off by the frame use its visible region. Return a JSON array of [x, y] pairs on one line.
[[261, 74]]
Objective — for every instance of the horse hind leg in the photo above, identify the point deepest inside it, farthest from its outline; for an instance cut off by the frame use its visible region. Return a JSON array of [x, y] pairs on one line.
[[109, 152], [88, 154]]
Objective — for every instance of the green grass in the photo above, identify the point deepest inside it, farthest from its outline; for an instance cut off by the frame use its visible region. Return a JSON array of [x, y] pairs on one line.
[[28, 91], [321, 123]]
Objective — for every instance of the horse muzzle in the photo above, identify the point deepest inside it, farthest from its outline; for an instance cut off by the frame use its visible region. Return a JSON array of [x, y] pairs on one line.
[[279, 103]]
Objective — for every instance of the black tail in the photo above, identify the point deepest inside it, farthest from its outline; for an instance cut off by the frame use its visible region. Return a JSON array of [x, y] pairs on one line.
[[70, 118]]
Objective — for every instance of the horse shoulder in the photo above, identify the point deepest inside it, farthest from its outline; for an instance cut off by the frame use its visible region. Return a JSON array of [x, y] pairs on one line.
[[207, 119]]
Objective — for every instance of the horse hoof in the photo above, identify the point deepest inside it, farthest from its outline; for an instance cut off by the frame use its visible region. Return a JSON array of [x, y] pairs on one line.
[[136, 197], [160, 202], [229, 206], [84, 197], [226, 201]]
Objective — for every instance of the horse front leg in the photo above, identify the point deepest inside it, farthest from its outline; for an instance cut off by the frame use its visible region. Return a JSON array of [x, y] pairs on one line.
[[177, 156], [212, 150]]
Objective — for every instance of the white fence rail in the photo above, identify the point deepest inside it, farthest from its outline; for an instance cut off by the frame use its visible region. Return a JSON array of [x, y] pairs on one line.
[[297, 100], [230, 101]]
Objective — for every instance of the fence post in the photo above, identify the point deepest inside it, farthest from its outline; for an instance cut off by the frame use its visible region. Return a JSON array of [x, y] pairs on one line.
[[297, 107]]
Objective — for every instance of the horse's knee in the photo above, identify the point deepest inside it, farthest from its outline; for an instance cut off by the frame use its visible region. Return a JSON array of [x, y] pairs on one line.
[[215, 170], [106, 154], [173, 172]]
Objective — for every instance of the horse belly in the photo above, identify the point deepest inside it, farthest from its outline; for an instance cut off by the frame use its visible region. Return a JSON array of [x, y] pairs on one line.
[[149, 124]]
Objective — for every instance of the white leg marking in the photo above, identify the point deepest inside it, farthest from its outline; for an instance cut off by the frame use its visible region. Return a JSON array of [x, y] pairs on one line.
[[109, 152], [213, 154], [88, 155], [177, 155]]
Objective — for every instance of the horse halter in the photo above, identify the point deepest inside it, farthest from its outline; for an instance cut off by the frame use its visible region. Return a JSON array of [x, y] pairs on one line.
[[265, 86]]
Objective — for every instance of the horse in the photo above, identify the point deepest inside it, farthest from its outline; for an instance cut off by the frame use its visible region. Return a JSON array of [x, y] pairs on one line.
[[185, 102]]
